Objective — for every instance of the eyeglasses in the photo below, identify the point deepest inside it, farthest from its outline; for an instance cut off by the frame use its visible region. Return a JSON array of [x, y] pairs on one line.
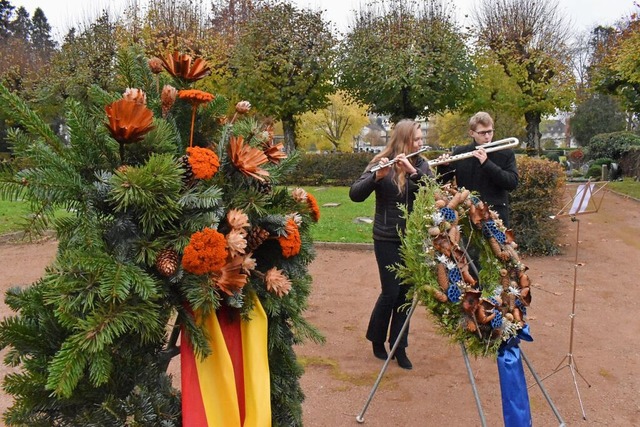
[[485, 132]]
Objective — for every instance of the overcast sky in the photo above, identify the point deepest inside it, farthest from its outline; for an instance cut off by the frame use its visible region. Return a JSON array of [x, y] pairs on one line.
[[584, 14]]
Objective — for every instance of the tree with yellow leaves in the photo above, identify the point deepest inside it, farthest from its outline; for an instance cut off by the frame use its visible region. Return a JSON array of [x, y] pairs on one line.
[[333, 127]]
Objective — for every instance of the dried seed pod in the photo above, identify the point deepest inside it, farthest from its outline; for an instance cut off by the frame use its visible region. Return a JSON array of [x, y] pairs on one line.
[[440, 296], [434, 231], [442, 276]]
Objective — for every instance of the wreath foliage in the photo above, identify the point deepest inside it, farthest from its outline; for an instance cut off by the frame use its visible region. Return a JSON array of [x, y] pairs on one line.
[[444, 227]]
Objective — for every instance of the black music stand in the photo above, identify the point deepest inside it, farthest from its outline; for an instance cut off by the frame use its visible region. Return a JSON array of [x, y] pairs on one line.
[[581, 203]]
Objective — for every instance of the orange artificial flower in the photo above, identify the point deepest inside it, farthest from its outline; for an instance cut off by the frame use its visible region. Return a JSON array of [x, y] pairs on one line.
[[274, 151], [136, 95], [313, 207], [238, 220], [195, 97], [184, 67], [206, 252], [247, 159], [243, 107], [128, 121], [231, 278], [277, 282], [168, 97], [290, 243], [236, 242], [204, 162], [155, 64]]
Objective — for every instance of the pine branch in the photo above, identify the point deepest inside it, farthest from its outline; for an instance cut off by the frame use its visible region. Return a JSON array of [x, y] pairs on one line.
[[17, 109]]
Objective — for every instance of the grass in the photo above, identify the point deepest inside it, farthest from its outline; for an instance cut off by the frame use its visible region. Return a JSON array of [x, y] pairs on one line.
[[628, 187], [337, 223], [11, 215]]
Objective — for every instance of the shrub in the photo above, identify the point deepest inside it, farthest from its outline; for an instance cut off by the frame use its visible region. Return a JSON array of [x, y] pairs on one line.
[[630, 162], [542, 181], [339, 169], [612, 145]]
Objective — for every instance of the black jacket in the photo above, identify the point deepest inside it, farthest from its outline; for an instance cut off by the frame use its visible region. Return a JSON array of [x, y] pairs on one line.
[[388, 217], [492, 180]]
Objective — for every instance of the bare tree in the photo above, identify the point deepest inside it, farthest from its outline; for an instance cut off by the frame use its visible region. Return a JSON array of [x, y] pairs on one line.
[[530, 40]]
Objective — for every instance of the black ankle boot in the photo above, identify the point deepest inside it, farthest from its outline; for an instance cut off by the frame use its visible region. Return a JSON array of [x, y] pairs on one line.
[[403, 361], [379, 351]]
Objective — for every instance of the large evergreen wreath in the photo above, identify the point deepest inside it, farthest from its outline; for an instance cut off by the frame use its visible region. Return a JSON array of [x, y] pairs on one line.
[[444, 230], [173, 208]]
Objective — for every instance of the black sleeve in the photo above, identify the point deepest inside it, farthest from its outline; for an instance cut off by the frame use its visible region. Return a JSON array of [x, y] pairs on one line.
[[363, 187]]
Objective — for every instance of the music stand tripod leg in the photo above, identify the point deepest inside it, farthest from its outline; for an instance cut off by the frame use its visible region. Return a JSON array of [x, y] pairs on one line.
[[571, 364], [405, 325], [544, 391]]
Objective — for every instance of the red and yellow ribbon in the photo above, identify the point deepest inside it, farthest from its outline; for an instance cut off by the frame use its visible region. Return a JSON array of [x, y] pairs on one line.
[[231, 387]]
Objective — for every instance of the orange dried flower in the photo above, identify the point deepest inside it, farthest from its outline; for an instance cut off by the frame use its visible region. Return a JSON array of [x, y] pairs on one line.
[[313, 207], [274, 151], [243, 107], [168, 97], [236, 242], [277, 282], [238, 220], [195, 97], [184, 67], [247, 159], [290, 243], [249, 263], [231, 278], [128, 122], [136, 95], [155, 64], [299, 195], [206, 252], [204, 162]]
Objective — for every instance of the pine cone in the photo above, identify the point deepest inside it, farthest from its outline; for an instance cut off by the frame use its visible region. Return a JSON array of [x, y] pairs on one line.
[[255, 238], [263, 186], [188, 172], [167, 262]]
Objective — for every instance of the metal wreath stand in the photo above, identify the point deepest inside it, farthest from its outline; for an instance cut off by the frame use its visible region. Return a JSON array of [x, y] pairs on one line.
[[414, 303]]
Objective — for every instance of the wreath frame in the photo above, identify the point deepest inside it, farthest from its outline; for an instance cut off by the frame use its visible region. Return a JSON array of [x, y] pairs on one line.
[[445, 217]]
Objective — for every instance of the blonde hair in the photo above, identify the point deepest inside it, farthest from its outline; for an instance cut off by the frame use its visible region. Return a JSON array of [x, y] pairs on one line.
[[480, 118], [401, 142]]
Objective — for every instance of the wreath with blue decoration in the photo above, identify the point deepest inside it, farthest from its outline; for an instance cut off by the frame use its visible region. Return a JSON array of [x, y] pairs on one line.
[[464, 267]]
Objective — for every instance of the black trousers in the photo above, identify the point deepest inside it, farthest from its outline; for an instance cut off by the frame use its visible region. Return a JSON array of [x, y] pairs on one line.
[[386, 316]]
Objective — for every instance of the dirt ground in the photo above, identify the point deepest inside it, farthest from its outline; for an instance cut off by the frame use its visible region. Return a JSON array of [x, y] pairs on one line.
[[340, 374]]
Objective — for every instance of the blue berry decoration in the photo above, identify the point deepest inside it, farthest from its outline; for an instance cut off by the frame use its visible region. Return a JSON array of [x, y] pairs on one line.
[[496, 323], [488, 228], [453, 293], [448, 214], [454, 275]]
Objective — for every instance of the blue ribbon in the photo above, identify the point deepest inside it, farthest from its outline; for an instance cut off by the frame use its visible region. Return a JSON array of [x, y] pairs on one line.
[[513, 386]]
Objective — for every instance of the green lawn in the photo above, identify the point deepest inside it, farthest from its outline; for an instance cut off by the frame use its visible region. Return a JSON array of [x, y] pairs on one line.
[[337, 223], [11, 214], [628, 187]]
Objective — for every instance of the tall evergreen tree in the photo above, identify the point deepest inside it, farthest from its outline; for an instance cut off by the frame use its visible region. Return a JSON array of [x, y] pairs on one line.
[[41, 33], [20, 25], [6, 12]]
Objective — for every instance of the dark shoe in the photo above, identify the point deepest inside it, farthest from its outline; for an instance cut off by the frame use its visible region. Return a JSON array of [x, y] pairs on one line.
[[403, 361], [379, 351]]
